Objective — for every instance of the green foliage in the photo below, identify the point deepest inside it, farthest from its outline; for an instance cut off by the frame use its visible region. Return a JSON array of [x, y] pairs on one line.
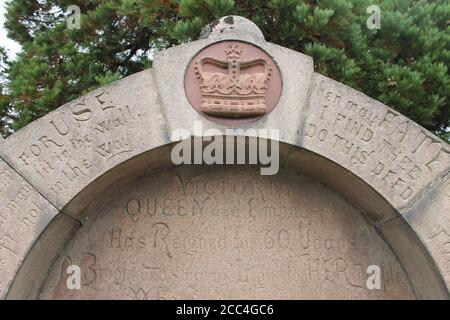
[[4, 98], [404, 64]]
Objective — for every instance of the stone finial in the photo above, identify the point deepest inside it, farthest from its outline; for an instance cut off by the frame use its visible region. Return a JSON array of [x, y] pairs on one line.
[[232, 25]]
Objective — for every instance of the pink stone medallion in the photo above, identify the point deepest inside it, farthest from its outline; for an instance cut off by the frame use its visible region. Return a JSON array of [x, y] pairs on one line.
[[233, 83]]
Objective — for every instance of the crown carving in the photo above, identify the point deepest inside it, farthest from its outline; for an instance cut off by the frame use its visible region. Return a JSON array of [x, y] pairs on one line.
[[233, 90]]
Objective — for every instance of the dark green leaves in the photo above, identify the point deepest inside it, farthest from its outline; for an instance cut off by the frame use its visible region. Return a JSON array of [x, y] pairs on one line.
[[404, 64]]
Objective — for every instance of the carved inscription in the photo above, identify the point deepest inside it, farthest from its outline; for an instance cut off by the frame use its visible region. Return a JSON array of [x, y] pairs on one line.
[[442, 240], [67, 155], [388, 150], [23, 215], [227, 233], [435, 228], [82, 139]]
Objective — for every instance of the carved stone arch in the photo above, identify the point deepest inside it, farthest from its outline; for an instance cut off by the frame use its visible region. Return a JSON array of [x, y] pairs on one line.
[[53, 171]]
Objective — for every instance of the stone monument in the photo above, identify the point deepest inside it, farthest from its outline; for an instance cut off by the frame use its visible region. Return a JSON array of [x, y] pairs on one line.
[[94, 185]]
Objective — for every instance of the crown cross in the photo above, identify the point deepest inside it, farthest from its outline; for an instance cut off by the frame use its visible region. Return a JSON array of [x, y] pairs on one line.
[[233, 51]]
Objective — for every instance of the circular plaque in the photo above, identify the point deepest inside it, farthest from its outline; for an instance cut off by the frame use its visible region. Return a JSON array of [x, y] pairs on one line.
[[233, 83]]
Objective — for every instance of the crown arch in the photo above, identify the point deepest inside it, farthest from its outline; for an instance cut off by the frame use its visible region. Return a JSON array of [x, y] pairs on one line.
[[58, 168]]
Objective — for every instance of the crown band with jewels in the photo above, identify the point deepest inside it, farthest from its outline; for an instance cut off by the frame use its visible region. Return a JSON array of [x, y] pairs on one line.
[[234, 94]]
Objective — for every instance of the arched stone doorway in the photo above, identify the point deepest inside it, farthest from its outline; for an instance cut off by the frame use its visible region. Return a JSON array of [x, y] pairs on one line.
[[386, 177]]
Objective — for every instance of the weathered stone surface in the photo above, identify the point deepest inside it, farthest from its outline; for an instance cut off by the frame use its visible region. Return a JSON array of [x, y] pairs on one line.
[[430, 219], [296, 70], [69, 148], [343, 181], [233, 26], [417, 263], [24, 214], [398, 158], [223, 232], [29, 278]]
